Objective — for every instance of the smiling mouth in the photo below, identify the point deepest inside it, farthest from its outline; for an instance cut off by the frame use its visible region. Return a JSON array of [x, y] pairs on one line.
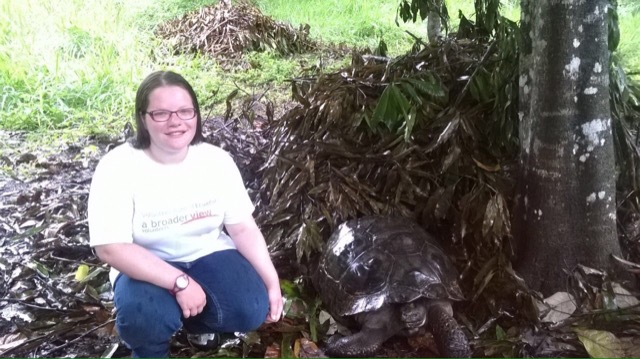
[[175, 133]]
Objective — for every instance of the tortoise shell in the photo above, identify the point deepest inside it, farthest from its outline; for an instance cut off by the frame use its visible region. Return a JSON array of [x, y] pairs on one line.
[[373, 261]]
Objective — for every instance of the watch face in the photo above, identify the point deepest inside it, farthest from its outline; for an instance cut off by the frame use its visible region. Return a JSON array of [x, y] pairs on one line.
[[182, 282]]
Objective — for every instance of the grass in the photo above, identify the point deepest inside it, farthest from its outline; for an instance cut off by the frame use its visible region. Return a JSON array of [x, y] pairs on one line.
[[629, 47], [64, 70], [339, 21], [72, 66]]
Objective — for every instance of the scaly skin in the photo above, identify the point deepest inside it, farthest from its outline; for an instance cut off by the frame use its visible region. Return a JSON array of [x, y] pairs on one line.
[[377, 327], [451, 340], [358, 345]]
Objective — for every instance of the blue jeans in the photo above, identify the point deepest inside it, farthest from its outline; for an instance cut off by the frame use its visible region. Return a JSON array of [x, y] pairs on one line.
[[147, 316]]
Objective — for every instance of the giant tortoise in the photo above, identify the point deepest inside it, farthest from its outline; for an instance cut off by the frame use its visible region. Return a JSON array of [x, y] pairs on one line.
[[387, 276]]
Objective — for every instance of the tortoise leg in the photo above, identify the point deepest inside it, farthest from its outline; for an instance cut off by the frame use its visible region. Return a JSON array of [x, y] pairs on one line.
[[451, 340], [376, 328]]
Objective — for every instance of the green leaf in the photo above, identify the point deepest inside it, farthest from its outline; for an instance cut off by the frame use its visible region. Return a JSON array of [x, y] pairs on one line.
[[600, 344], [492, 14], [475, 90], [614, 28], [93, 274], [91, 292], [481, 88], [408, 88], [82, 272], [392, 109], [289, 289], [39, 268], [379, 113], [313, 319], [433, 87], [29, 232], [400, 103], [228, 100], [285, 347]]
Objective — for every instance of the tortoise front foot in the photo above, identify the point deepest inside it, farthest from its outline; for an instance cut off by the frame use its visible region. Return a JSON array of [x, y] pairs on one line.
[[356, 345]]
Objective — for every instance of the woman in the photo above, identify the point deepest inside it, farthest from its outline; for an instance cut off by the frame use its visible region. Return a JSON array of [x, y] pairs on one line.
[[157, 208]]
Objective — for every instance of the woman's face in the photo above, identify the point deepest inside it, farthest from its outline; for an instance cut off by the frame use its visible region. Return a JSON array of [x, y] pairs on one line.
[[169, 131]]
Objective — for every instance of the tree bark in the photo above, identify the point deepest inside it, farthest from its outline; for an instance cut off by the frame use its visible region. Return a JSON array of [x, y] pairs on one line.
[[434, 23], [565, 213]]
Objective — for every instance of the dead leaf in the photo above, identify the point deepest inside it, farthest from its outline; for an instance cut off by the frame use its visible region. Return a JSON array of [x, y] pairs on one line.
[[422, 342], [11, 341], [631, 346], [14, 311], [600, 344], [273, 351], [296, 348], [488, 168], [557, 307], [309, 349], [623, 298]]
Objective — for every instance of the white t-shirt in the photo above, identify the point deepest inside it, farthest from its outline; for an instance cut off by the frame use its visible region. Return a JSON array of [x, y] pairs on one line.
[[176, 211]]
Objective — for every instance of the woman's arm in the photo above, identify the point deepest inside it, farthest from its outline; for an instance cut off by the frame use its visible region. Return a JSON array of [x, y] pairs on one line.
[[138, 263], [251, 244]]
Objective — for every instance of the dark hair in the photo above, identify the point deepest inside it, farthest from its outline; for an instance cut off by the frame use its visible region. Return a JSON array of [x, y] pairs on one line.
[[152, 82]]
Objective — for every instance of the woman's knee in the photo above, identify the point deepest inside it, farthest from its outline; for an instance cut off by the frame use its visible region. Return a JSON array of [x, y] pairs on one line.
[[235, 290], [252, 318], [144, 311], [249, 312]]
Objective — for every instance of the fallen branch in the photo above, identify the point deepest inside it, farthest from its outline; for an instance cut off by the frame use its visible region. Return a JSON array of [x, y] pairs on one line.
[[634, 267]]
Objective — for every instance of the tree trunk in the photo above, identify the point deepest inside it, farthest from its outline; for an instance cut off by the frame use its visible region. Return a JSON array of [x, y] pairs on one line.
[[565, 213], [434, 23]]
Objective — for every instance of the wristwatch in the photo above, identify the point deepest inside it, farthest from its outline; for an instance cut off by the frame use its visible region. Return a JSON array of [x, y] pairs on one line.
[[182, 281]]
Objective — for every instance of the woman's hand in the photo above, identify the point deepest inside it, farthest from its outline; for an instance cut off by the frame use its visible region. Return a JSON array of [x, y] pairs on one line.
[[191, 299], [275, 305]]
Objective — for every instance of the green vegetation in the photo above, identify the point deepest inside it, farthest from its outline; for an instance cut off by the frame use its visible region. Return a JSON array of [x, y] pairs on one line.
[[629, 47], [65, 64], [73, 65], [351, 22]]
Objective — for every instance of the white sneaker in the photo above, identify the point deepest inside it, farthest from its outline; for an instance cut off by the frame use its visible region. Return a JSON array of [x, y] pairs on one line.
[[207, 341]]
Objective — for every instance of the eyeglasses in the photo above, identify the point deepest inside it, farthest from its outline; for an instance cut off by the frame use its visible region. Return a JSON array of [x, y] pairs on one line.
[[164, 115]]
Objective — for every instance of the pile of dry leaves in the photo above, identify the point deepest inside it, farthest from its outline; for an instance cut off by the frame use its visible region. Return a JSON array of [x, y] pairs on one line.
[[224, 29]]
